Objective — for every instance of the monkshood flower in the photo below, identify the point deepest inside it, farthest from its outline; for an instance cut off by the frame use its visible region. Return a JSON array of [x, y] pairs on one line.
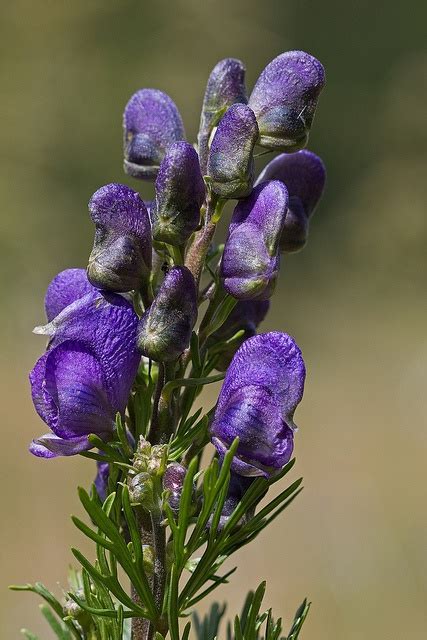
[[151, 122], [262, 388], [180, 192], [85, 377], [246, 316], [65, 288], [304, 175], [250, 262], [230, 163], [226, 85], [164, 330], [284, 100], [122, 251]]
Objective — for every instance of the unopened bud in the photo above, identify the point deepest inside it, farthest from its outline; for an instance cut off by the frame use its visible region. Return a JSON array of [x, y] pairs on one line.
[[165, 328], [231, 164]]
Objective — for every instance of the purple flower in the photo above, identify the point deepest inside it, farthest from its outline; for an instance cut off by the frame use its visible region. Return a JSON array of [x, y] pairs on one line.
[[65, 288], [85, 377], [284, 100], [151, 122], [246, 316], [121, 254], [262, 388], [250, 262], [231, 164], [304, 175], [226, 85], [164, 330], [101, 479], [180, 192]]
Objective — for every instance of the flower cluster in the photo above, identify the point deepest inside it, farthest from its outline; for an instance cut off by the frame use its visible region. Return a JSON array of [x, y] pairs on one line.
[[126, 356]]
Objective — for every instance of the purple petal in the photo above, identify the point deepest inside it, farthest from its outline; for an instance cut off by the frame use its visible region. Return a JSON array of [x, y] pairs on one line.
[[303, 173], [106, 325], [262, 388], [74, 389], [65, 288], [151, 123], [284, 99], [50, 446], [247, 270]]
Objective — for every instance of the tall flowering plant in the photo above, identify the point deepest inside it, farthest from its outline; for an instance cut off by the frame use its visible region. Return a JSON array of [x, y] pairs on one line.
[[160, 312]]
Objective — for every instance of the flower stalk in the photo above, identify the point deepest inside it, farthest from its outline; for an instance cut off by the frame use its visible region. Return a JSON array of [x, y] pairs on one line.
[[129, 354]]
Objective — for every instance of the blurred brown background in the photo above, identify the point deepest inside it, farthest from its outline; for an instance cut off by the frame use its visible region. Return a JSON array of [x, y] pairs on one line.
[[355, 541]]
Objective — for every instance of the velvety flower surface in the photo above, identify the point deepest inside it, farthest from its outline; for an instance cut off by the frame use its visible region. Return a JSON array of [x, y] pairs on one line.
[[65, 288], [180, 192], [231, 164], [246, 316], [250, 262], [304, 175], [151, 122], [284, 100], [262, 388], [164, 330], [226, 85], [85, 377], [122, 251]]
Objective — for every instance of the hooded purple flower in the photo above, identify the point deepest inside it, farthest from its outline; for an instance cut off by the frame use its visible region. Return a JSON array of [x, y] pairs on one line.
[[151, 122], [180, 192], [65, 288], [85, 377], [250, 262], [231, 164], [246, 316], [121, 254], [164, 330], [284, 100], [304, 175], [262, 388], [226, 85]]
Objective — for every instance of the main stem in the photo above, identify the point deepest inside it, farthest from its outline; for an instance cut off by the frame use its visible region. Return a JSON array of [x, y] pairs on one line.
[[142, 628]]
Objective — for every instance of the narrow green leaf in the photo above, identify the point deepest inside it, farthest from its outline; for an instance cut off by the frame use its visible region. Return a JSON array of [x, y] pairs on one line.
[[57, 627], [29, 635], [189, 382], [173, 613]]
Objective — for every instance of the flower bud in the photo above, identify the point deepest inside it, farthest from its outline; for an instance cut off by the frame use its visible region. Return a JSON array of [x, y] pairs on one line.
[[230, 163], [74, 610], [121, 254], [246, 316], [173, 482], [151, 122], [250, 262], [226, 85], [262, 388], [141, 491], [164, 330], [180, 192], [284, 100], [304, 175]]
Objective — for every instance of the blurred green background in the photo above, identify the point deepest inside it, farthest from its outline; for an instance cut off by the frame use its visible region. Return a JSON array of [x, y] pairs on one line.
[[355, 541]]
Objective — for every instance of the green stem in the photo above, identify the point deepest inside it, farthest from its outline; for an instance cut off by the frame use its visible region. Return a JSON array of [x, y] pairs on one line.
[[142, 628]]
